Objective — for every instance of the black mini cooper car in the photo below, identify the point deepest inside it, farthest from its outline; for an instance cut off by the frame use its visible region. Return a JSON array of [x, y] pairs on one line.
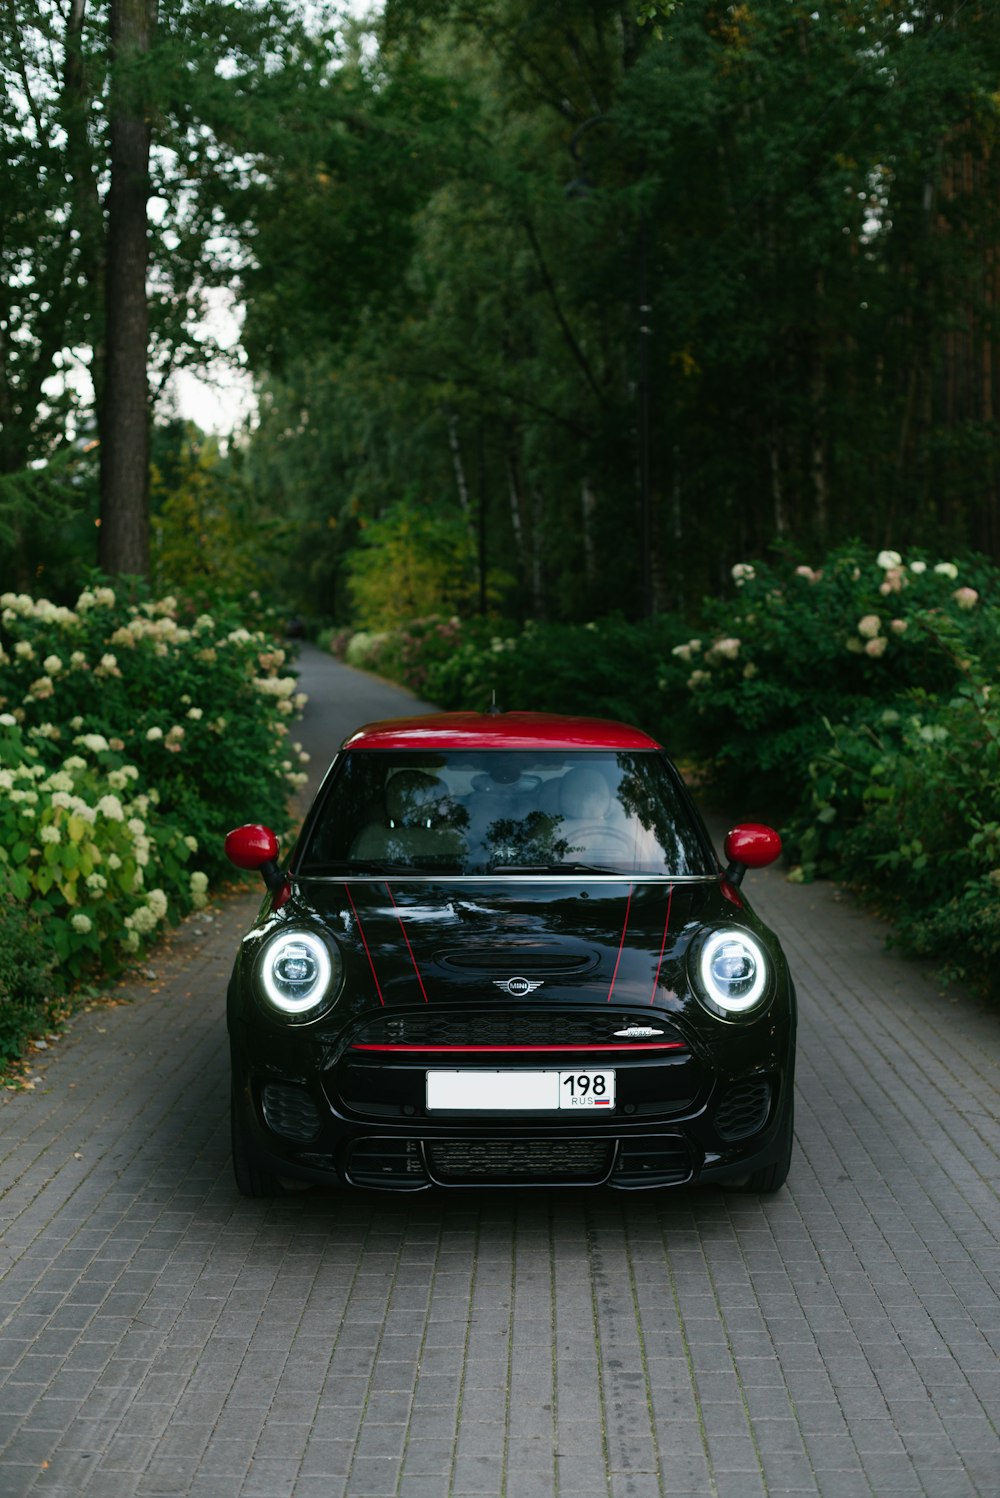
[[504, 952]]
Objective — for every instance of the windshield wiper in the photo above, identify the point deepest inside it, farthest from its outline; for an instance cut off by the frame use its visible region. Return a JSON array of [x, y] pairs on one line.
[[555, 868], [348, 866]]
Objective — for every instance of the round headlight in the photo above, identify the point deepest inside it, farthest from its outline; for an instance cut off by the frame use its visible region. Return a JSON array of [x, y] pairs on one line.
[[732, 971], [298, 972]]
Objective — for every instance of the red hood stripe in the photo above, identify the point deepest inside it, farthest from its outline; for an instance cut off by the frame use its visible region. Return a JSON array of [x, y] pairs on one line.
[[621, 944], [408, 947], [364, 943], [663, 944]]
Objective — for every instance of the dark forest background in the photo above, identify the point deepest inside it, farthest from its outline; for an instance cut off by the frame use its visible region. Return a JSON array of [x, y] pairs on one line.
[[552, 308]]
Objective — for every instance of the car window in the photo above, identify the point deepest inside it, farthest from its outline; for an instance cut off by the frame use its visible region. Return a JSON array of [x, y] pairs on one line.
[[487, 811]]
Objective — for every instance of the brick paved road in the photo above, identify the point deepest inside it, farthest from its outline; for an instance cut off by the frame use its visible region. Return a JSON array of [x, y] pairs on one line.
[[160, 1336]]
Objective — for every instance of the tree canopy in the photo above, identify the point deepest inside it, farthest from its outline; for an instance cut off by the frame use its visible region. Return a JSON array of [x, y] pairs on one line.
[[622, 302]]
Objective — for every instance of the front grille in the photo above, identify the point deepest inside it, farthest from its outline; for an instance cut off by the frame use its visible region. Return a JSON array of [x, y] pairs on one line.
[[743, 1110], [473, 1160], [508, 1027], [385, 1162], [289, 1111]]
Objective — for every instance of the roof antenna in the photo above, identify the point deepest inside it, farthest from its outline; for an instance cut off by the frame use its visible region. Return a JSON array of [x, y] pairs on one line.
[[493, 711]]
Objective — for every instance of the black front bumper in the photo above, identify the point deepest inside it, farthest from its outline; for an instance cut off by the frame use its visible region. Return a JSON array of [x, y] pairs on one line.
[[678, 1120]]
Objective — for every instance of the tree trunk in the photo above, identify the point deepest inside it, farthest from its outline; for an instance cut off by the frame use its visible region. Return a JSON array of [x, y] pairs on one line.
[[124, 419], [75, 109]]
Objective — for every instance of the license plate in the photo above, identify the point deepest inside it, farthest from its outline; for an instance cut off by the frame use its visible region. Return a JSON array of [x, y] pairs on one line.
[[519, 1091]]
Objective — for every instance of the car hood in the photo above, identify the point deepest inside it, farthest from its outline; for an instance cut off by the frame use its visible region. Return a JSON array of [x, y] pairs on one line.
[[567, 941]]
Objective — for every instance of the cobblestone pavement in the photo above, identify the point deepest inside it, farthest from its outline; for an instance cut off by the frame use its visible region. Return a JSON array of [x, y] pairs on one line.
[[162, 1338]]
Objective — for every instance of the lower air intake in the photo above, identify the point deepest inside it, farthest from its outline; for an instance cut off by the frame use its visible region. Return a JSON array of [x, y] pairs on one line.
[[743, 1110], [290, 1111], [472, 1160]]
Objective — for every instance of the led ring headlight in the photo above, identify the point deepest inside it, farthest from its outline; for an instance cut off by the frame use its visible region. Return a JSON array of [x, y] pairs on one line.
[[732, 970], [296, 972]]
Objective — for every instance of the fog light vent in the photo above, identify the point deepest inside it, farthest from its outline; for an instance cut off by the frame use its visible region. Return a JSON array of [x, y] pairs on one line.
[[743, 1110], [660, 1160], [387, 1162], [289, 1111]]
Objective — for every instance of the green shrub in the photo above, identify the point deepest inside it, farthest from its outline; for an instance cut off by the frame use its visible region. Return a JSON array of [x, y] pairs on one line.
[[25, 976], [130, 742], [800, 651], [905, 807], [613, 669]]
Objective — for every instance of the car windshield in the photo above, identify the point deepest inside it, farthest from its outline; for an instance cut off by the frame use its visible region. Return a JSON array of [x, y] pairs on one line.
[[491, 811]]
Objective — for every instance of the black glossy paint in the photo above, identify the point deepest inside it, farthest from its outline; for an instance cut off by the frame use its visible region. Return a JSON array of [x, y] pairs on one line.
[[601, 952]]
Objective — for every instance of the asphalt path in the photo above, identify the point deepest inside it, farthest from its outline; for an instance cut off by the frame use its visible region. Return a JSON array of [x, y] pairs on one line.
[[160, 1337]]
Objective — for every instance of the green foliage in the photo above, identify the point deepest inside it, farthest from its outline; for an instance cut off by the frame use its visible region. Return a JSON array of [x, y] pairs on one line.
[[25, 976], [804, 202], [611, 669], [130, 743], [907, 809], [412, 559], [209, 541], [795, 649]]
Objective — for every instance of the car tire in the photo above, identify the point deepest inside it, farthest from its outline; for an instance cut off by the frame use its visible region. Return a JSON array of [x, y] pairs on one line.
[[250, 1176], [770, 1178]]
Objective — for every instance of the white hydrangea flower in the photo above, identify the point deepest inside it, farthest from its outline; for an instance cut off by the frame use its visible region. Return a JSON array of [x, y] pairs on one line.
[[946, 569], [157, 902], [869, 626], [81, 923], [50, 835], [199, 882], [52, 664], [191, 843], [111, 807], [918, 567], [144, 921], [152, 734], [888, 559]]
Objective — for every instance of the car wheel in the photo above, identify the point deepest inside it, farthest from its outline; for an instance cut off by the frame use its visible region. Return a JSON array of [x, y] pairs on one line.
[[251, 1178], [772, 1177]]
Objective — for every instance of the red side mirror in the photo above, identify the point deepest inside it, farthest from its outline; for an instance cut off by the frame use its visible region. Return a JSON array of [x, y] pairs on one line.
[[251, 847], [750, 846]]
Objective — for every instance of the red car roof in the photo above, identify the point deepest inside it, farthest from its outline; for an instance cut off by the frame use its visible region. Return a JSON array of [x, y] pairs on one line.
[[498, 731]]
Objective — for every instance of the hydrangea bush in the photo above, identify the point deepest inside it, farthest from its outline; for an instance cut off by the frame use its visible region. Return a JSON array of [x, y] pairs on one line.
[[858, 698], [612, 669], [131, 739], [795, 651]]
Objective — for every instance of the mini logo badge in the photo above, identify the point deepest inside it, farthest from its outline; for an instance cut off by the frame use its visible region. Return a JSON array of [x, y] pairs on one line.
[[638, 1032], [517, 987]]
